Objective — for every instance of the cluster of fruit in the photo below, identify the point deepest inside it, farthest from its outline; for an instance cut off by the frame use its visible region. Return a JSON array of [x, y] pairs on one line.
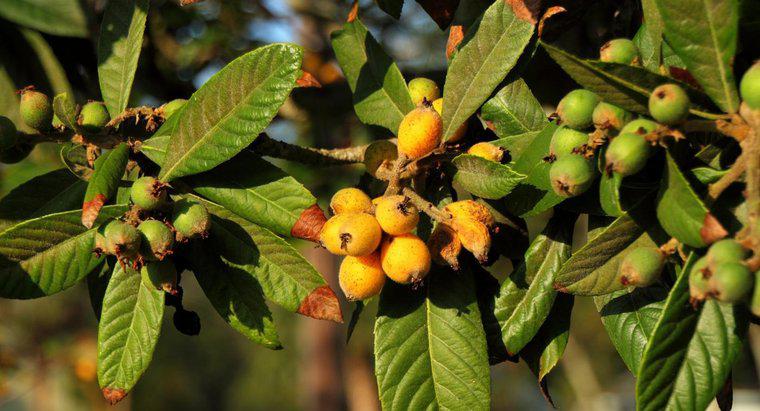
[[146, 236]]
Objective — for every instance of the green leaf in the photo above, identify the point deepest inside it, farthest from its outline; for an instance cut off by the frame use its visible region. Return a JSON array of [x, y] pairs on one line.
[[517, 144], [485, 178], [97, 283], [527, 297], [267, 197], [355, 315], [128, 331], [74, 157], [66, 110], [9, 100], [119, 44], [430, 347], [391, 7], [707, 175], [654, 27], [49, 193], [534, 194], [380, 94], [489, 51], [593, 269], [284, 275], [704, 34], [57, 17], [101, 188], [545, 350], [649, 49], [47, 254], [622, 85], [514, 110], [236, 295], [54, 72], [681, 212], [691, 351], [231, 109], [155, 147], [609, 193], [629, 316]]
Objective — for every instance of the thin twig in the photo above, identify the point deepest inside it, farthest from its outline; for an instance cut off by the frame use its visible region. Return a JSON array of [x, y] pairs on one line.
[[426, 207], [737, 169], [394, 184]]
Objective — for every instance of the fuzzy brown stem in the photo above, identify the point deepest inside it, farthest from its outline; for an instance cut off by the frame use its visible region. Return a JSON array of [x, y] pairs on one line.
[[394, 184], [426, 207], [715, 189], [751, 149], [266, 146]]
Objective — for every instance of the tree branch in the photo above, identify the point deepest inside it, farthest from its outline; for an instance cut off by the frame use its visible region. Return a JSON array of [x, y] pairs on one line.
[[426, 207]]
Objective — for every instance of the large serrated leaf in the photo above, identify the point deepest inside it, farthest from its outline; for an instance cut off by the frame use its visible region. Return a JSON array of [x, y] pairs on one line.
[[119, 44], [47, 254], [526, 297], [49, 193], [268, 197], [130, 323], [514, 110], [488, 52], [236, 295], [284, 275], [65, 109], [691, 351], [58, 17], [231, 109], [516, 144], [704, 34], [430, 347], [622, 85], [629, 316], [653, 28], [104, 182], [485, 178], [379, 91]]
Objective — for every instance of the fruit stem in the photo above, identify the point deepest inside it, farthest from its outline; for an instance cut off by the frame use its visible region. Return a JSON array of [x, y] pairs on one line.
[[737, 169], [394, 184], [426, 207], [751, 149]]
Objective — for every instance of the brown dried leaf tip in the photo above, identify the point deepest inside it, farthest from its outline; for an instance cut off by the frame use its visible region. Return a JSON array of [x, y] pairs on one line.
[[91, 209], [527, 10], [322, 304], [113, 395], [711, 230], [456, 34], [308, 80], [309, 224]]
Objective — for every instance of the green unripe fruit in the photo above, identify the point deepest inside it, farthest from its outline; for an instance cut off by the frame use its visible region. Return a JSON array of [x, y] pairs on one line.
[[640, 126], [421, 89], [622, 51], [641, 267], [8, 136], [160, 274], [157, 240], [148, 193], [36, 110], [190, 220], [173, 107], [754, 302], [731, 282], [571, 175], [101, 245], [565, 139], [16, 153], [669, 104], [725, 251], [380, 153], [576, 109], [93, 117], [122, 239], [610, 117], [627, 154], [750, 87], [699, 280]]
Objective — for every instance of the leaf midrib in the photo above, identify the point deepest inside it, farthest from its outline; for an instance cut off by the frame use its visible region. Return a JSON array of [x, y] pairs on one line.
[[718, 57]]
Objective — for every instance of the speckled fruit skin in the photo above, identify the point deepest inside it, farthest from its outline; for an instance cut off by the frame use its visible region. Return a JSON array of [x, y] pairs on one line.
[[571, 175], [725, 251], [641, 267], [627, 154], [699, 287], [470, 209], [122, 239], [94, 116], [157, 240], [640, 126], [173, 106], [610, 117], [576, 109], [423, 89], [731, 282], [36, 110], [161, 275], [350, 200], [565, 140], [486, 150], [356, 234], [419, 132], [361, 278], [148, 193], [190, 219], [405, 258], [460, 131], [669, 104], [750, 86], [622, 51], [396, 214], [379, 154], [329, 236]]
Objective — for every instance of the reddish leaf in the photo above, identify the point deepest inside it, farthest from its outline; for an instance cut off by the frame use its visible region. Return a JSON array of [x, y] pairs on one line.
[[309, 224], [91, 209], [456, 34], [114, 395], [711, 230], [527, 10], [550, 12], [684, 75], [322, 304], [308, 80]]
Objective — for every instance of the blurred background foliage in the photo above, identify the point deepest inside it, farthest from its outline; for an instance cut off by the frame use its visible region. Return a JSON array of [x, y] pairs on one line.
[[48, 347]]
